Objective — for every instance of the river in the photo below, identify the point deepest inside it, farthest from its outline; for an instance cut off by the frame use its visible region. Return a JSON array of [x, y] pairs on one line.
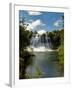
[[44, 65]]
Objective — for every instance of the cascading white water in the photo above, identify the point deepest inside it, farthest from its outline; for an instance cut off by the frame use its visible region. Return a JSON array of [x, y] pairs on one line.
[[40, 42]]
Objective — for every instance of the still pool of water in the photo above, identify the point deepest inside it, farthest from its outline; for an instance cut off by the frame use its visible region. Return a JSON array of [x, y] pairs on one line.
[[44, 65]]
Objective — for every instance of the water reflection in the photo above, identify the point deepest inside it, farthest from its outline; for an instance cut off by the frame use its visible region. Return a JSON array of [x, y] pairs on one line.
[[45, 64]]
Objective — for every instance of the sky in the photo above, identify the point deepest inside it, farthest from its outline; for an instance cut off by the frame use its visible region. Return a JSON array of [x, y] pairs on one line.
[[47, 21]]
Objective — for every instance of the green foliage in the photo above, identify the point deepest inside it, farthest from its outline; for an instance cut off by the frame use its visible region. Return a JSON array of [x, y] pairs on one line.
[[62, 36], [24, 37], [24, 56], [55, 38], [24, 61], [61, 50], [61, 54]]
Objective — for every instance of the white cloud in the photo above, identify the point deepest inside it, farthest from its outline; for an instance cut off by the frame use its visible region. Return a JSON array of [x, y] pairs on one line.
[[35, 24], [57, 23], [34, 13], [29, 27], [41, 32]]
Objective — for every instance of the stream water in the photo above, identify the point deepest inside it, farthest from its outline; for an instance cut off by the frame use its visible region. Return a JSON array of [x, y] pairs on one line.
[[44, 65]]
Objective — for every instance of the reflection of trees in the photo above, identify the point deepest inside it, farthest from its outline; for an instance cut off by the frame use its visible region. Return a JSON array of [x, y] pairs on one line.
[[25, 60]]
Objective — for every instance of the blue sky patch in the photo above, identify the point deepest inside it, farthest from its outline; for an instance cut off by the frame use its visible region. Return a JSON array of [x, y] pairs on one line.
[[37, 20]]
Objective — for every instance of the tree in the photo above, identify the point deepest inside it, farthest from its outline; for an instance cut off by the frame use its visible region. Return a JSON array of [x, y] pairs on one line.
[[55, 38], [24, 55]]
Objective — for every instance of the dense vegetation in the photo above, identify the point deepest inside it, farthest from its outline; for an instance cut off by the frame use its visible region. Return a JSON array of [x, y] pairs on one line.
[[25, 57], [61, 50], [57, 40]]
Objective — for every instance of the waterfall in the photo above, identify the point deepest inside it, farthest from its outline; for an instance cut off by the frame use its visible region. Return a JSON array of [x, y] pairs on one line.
[[40, 42]]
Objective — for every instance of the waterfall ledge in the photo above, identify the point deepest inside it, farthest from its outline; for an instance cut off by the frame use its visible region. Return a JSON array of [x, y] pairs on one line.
[[41, 49]]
